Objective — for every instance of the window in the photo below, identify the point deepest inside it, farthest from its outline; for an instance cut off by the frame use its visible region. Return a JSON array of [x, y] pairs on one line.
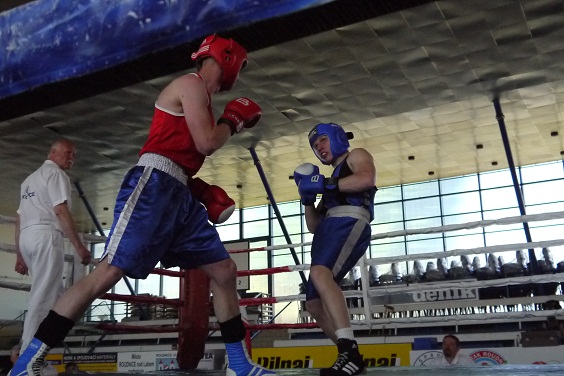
[[388, 194], [460, 184], [457, 200], [499, 198], [461, 203], [422, 208], [542, 172], [495, 179], [418, 190]]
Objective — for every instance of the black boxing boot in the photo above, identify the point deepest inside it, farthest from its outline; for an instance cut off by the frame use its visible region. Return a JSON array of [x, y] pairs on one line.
[[348, 363]]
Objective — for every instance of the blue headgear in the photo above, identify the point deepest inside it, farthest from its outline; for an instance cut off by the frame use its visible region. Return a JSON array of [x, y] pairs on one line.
[[338, 139]]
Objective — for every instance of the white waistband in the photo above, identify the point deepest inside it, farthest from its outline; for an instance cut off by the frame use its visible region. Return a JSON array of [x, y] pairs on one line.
[[349, 211], [43, 226], [163, 164]]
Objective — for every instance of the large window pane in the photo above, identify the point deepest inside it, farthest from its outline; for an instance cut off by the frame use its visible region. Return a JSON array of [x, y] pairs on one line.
[[281, 240], [422, 208], [460, 184], [388, 194], [425, 189], [499, 198], [495, 179], [151, 285], [462, 218], [505, 237], [254, 213], [461, 203], [258, 260], [289, 208], [542, 172], [387, 227], [540, 193], [555, 231], [545, 208], [293, 225], [390, 212], [171, 286], [425, 246], [98, 250], [501, 213], [464, 241], [229, 232], [386, 250], [423, 223], [255, 229]]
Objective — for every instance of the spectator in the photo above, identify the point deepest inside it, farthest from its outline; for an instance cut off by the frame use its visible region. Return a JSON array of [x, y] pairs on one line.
[[452, 355]]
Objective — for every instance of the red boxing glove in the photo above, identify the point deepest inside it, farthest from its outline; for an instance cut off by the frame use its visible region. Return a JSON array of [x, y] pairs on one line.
[[218, 204], [239, 113]]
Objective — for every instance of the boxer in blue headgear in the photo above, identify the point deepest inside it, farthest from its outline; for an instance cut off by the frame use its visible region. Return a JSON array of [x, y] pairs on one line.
[[338, 139], [340, 225]]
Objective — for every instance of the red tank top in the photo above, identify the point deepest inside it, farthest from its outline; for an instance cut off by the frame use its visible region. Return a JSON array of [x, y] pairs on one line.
[[169, 136]]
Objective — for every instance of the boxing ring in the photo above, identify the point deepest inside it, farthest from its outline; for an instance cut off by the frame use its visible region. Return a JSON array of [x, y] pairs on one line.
[[509, 370], [373, 314]]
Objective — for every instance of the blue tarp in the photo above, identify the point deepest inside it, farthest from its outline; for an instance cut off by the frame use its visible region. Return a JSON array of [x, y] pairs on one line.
[[52, 40]]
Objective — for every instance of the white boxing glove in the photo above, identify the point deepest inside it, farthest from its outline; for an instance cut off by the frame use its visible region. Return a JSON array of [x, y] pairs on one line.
[[305, 169]]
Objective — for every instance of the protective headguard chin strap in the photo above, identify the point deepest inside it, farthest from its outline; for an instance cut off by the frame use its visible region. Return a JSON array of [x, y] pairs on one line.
[[338, 139], [230, 55]]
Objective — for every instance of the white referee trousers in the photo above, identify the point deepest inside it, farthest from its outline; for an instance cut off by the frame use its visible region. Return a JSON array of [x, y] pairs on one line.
[[42, 249]]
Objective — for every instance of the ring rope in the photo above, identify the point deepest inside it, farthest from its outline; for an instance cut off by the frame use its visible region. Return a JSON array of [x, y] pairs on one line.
[[368, 292]]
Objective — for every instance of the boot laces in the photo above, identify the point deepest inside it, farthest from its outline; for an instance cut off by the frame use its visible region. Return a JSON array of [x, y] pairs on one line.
[[341, 361]]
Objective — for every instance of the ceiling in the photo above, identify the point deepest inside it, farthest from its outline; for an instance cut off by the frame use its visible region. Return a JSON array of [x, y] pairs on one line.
[[413, 80]]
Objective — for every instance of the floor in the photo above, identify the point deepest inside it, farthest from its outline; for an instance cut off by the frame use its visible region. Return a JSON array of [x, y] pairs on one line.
[[513, 370]]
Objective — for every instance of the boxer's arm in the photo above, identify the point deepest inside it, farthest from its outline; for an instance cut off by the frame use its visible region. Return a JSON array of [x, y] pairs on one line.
[[69, 229], [188, 95], [312, 217], [362, 165]]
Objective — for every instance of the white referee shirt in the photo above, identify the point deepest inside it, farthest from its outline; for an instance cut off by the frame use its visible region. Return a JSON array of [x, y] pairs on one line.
[[460, 359], [44, 189]]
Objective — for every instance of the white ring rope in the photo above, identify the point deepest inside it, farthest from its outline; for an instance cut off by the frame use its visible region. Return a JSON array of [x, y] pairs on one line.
[[479, 318], [428, 230], [368, 292]]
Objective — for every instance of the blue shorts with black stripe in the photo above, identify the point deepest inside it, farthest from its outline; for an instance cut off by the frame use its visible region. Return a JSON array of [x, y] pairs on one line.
[[156, 219], [338, 244]]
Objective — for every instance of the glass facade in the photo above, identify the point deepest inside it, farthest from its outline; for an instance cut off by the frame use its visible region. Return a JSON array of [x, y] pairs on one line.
[[440, 202]]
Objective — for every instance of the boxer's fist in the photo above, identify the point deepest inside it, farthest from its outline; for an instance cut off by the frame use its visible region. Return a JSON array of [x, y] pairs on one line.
[[218, 204], [239, 113], [311, 185], [304, 172], [305, 169]]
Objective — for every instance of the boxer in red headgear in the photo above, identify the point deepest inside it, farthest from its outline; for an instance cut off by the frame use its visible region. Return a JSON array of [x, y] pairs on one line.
[[159, 216]]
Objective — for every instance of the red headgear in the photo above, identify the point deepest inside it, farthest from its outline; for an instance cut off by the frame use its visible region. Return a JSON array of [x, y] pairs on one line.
[[230, 55]]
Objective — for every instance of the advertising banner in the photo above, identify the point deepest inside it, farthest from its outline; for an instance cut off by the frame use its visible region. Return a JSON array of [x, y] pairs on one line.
[[498, 355], [98, 362], [150, 361], [426, 296], [324, 356]]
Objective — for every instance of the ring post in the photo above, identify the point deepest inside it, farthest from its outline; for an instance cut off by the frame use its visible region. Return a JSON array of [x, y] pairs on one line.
[[194, 318], [518, 194], [277, 211]]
